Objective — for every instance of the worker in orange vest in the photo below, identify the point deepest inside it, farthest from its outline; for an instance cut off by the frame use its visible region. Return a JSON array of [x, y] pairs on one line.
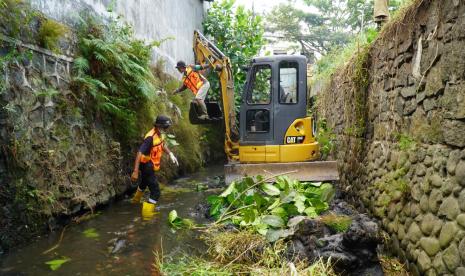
[[148, 162], [197, 83]]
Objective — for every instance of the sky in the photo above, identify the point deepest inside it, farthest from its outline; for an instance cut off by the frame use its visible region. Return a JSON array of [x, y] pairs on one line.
[[267, 5]]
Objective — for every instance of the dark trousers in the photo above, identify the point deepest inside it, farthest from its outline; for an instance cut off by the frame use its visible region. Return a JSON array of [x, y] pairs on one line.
[[148, 178]]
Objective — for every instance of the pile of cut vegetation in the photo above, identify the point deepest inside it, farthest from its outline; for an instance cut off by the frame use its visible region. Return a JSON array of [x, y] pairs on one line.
[[286, 227]]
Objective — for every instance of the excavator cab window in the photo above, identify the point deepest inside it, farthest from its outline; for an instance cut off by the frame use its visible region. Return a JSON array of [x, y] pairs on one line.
[[256, 114], [260, 92], [258, 120], [288, 72]]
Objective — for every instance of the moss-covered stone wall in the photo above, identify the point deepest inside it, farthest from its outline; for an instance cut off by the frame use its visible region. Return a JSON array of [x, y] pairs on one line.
[[401, 138], [53, 160], [60, 154]]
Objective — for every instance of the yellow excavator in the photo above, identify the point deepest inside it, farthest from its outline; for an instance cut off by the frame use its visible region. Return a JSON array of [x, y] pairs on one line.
[[274, 136]]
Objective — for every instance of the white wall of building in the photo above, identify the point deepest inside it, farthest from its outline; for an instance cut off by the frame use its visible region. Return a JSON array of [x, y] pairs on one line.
[[151, 19]]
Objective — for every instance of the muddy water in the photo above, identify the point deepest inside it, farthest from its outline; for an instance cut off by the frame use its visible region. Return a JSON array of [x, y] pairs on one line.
[[121, 243]]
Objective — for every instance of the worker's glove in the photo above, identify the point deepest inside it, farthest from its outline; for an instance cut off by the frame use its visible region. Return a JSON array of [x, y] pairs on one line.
[[173, 159]]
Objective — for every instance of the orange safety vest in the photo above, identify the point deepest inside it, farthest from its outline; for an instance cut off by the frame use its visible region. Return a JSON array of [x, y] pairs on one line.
[[192, 80], [156, 151]]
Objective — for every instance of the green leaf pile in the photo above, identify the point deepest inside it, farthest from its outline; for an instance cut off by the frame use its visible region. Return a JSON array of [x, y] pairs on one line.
[[57, 263], [177, 223], [91, 233], [267, 208]]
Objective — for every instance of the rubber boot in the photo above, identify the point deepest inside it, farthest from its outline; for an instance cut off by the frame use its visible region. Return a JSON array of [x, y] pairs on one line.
[[203, 109], [137, 196], [148, 210]]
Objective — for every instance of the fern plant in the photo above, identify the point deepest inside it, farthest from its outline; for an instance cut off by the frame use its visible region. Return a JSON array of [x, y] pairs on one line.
[[113, 69]]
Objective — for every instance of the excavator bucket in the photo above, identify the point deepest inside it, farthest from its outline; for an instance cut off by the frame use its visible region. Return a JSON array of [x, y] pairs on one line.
[[304, 171], [213, 110]]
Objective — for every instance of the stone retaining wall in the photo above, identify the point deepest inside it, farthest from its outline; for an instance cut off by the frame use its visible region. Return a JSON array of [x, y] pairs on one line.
[[406, 165], [53, 161]]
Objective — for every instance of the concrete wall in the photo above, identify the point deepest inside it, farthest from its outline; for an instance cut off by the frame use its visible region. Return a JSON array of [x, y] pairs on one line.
[[401, 140], [152, 20]]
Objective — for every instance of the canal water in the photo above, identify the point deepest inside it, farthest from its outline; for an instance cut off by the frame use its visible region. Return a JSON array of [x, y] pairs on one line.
[[117, 241]]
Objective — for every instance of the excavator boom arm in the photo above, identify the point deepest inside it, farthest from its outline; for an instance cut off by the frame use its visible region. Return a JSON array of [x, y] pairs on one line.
[[207, 53]]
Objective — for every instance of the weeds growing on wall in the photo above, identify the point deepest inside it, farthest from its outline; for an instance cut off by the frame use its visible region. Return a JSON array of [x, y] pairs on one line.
[[353, 60], [402, 18], [16, 17], [326, 138], [113, 72], [360, 80], [338, 57], [18, 20], [50, 33], [405, 142]]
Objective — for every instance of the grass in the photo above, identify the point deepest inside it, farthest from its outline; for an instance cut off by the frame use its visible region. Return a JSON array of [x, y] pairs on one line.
[[392, 187], [338, 57], [240, 252], [338, 223], [243, 247], [392, 266], [405, 142], [188, 265], [402, 17], [16, 17], [325, 137], [50, 33]]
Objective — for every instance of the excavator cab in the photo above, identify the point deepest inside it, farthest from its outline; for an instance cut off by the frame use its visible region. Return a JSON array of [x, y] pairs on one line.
[[274, 126], [275, 136]]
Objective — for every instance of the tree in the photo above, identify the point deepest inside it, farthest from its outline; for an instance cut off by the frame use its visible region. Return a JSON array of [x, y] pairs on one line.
[[238, 34], [333, 24]]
